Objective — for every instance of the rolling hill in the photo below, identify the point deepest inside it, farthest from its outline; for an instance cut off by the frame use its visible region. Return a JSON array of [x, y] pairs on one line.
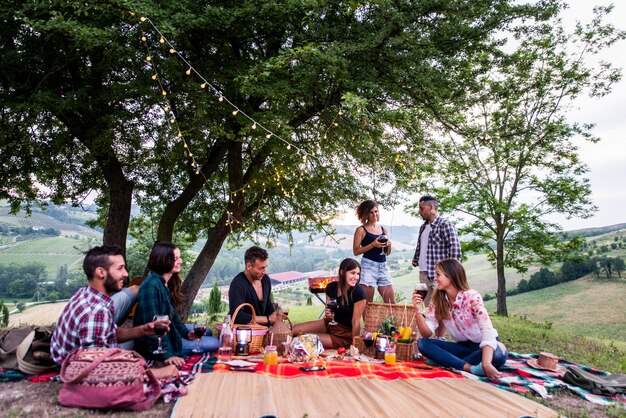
[[588, 306]]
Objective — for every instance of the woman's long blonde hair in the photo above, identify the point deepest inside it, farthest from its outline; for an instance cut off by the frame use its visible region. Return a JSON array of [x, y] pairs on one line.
[[453, 269]]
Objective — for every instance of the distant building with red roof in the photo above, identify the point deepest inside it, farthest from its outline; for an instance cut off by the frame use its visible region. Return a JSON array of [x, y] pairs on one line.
[[287, 278]]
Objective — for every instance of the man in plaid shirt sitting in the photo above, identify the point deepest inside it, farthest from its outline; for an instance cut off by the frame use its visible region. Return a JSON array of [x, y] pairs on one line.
[[437, 240], [88, 319]]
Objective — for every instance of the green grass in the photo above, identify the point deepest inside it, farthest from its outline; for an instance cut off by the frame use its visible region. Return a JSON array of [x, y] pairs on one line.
[[52, 252], [588, 306], [524, 336]]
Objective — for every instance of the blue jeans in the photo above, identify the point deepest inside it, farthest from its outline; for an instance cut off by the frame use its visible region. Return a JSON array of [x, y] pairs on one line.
[[455, 355], [208, 343]]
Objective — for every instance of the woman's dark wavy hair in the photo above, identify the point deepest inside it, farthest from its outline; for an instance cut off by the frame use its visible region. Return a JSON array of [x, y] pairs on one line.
[[348, 264], [161, 261], [363, 210]]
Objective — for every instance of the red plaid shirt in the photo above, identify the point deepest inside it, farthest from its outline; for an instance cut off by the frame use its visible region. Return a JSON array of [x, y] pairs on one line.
[[86, 321]]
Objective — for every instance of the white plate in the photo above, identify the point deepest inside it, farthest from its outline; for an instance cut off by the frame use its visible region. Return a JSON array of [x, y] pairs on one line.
[[238, 363], [366, 359]]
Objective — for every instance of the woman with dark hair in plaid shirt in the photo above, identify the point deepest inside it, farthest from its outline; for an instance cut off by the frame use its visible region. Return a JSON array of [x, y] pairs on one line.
[[158, 295]]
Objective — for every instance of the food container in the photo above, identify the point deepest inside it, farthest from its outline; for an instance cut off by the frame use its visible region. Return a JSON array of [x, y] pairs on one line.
[[270, 355], [390, 356]]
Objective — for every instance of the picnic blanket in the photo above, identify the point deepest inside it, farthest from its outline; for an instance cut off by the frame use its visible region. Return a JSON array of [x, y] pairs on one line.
[[519, 377], [334, 369], [244, 394]]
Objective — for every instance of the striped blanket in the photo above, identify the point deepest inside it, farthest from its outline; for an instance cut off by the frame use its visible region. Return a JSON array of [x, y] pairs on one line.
[[519, 377]]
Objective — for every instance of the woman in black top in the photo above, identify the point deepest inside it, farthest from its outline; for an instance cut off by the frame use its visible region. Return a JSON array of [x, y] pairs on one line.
[[351, 299]]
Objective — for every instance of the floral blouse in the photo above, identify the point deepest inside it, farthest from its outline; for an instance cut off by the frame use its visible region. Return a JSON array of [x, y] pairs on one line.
[[469, 320]]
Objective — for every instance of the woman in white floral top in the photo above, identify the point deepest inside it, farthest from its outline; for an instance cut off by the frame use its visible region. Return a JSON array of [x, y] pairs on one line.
[[477, 348]]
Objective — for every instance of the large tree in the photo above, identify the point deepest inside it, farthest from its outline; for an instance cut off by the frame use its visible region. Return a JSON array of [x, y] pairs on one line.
[[341, 86], [330, 81], [508, 161]]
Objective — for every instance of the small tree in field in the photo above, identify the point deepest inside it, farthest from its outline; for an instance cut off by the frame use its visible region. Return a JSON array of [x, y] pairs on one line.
[[4, 310], [618, 266], [508, 160], [214, 304]]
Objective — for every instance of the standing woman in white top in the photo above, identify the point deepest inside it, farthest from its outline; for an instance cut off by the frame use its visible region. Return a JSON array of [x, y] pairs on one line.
[[370, 239], [477, 349]]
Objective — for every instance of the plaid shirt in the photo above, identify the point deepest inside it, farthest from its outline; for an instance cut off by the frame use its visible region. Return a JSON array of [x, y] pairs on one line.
[[86, 321], [154, 299], [443, 242]]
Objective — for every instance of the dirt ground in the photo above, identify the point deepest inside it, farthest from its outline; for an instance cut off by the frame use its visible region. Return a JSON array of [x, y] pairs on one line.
[[27, 399]]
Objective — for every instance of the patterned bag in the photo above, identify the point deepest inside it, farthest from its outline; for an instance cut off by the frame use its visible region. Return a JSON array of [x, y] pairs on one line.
[[107, 378]]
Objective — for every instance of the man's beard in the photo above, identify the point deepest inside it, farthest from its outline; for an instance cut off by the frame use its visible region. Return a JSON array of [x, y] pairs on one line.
[[110, 285]]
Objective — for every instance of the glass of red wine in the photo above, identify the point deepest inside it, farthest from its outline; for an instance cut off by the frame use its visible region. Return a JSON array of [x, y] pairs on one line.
[[160, 330], [383, 239], [332, 304], [198, 330], [368, 340], [422, 290]]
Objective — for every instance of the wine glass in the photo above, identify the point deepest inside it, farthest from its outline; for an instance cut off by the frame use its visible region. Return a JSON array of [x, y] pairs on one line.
[[383, 239], [368, 340], [199, 330], [422, 290], [332, 304], [160, 330]]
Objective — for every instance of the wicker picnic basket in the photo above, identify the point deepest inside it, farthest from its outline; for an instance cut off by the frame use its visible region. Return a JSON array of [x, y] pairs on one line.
[[258, 331], [375, 313]]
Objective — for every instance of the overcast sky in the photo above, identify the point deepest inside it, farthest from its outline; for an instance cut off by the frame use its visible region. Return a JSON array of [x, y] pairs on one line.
[[606, 159]]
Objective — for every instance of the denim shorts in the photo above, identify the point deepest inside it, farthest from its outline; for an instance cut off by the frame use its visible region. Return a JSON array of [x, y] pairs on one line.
[[374, 274]]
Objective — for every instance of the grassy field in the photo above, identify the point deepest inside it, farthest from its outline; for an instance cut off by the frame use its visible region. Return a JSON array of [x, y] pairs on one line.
[[52, 252], [589, 306]]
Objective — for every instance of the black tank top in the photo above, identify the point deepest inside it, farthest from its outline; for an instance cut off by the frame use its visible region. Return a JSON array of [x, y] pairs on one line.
[[375, 253]]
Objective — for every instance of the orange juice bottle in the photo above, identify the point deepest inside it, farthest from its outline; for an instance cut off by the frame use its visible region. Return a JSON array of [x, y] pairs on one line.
[[390, 356], [270, 356]]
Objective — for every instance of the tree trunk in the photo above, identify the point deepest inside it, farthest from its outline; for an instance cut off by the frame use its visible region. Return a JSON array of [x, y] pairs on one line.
[[501, 293], [201, 267], [118, 219]]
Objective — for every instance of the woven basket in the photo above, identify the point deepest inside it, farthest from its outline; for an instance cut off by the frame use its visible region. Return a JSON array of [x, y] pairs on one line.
[[258, 331], [279, 333], [375, 313]]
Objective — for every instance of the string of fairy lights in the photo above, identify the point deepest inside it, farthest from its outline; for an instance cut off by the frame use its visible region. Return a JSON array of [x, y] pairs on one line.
[[280, 172]]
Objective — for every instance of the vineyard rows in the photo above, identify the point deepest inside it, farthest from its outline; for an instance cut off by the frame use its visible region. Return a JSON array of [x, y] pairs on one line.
[[41, 220], [52, 252]]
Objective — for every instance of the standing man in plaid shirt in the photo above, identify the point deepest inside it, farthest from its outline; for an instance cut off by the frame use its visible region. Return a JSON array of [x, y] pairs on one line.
[[437, 240], [88, 319]]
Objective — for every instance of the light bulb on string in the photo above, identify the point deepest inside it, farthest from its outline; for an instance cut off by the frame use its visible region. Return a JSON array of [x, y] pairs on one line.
[[235, 112], [180, 135], [288, 146], [220, 99], [185, 145], [154, 76], [254, 125], [142, 19], [203, 85], [148, 58], [164, 93], [161, 41], [144, 39], [268, 136], [172, 51], [188, 72]]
